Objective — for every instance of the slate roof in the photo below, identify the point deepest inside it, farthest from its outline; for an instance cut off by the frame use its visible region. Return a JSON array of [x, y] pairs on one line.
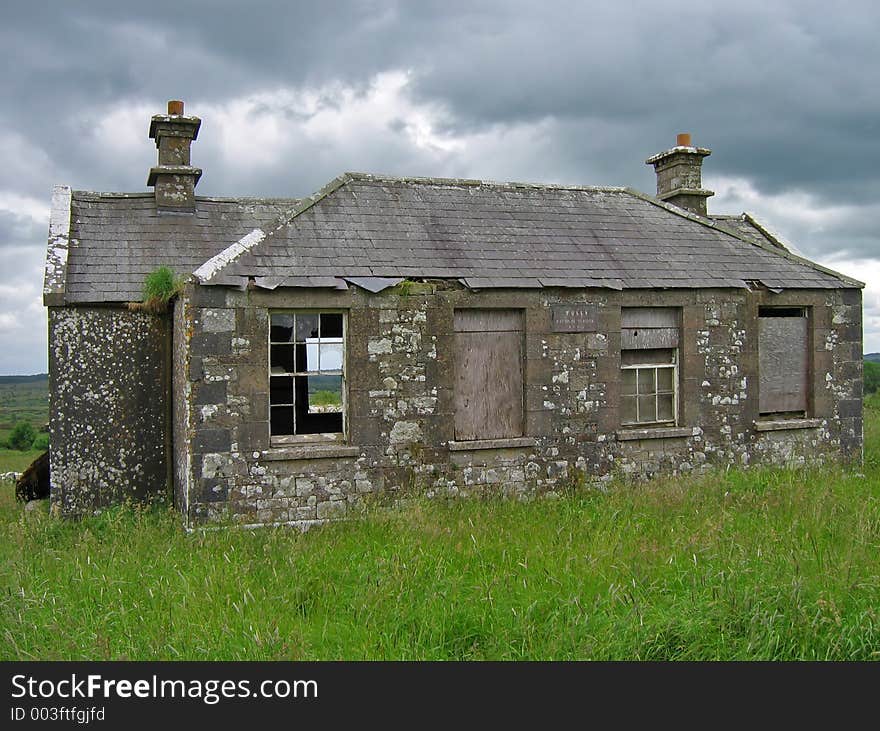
[[117, 239], [508, 235], [361, 227]]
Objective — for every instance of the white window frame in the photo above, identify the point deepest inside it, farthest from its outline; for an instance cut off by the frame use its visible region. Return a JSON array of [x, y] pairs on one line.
[[654, 366]]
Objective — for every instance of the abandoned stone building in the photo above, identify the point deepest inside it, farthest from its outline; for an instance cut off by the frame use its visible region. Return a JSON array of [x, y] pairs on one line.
[[454, 337]]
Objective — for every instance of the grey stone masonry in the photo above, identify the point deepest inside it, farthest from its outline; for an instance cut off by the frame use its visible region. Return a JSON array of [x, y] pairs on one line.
[[679, 175], [174, 178], [108, 407], [400, 398]]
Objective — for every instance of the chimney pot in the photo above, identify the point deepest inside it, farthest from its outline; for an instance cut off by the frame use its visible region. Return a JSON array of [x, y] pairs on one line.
[[682, 140], [175, 106]]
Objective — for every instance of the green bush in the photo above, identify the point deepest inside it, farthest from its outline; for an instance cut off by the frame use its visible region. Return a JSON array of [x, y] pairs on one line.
[[41, 443], [22, 436], [872, 377]]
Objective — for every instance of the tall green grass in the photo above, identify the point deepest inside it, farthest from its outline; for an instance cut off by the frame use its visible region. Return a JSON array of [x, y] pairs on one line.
[[768, 564]]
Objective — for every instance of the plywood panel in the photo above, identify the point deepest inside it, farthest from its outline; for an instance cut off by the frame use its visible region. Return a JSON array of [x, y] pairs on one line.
[[650, 337], [641, 317], [489, 365], [783, 364], [488, 321]]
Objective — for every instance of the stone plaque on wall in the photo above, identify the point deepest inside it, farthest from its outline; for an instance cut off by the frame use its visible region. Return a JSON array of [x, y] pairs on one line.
[[574, 318]]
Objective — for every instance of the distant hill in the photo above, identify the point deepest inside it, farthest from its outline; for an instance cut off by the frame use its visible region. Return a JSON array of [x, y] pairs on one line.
[[24, 398], [45, 377], [873, 357]]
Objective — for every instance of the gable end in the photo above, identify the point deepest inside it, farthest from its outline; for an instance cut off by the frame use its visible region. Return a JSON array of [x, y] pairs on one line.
[[55, 278]]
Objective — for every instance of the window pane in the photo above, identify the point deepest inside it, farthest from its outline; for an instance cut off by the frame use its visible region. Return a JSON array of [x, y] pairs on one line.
[[331, 355], [665, 407], [281, 330], [646, 380], [306, 326], [331, 325], [628, 410], [308, 353], [281, 420], [281, 359], [281, 390], [647, 409], [325, 394], [628, 379], [664, 380]]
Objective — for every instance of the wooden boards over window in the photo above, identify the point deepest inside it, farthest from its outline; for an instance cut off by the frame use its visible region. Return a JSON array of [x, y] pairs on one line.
[[783, 360], [648, 327], [489, 374]]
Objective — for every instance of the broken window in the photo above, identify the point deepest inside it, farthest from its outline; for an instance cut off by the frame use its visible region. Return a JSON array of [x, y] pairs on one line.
[[489, 374], [649, 366], [306, 373], [783, 361]]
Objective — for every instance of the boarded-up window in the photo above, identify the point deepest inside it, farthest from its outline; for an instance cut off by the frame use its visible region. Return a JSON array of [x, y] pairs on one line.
[[649, 365], [488, 378], [783, 360]]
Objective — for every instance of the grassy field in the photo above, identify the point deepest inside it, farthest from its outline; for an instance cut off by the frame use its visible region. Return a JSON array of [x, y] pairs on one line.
[[763, 564], [22, 398]]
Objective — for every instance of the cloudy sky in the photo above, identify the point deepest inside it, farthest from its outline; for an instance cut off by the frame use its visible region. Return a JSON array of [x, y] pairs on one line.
[[291, 94]]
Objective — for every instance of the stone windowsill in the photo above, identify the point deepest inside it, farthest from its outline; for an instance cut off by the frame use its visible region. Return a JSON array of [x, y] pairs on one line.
[[507, 443], [657, 432], [779, 424], [311, 450]]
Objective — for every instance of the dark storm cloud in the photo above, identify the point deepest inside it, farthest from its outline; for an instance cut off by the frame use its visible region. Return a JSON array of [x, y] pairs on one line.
[[18, 230], [783, 92]]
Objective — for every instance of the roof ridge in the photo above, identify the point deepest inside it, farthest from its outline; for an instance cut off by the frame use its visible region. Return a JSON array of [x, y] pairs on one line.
[[210, 198], [711, 223], [215, 265], [379, 178]]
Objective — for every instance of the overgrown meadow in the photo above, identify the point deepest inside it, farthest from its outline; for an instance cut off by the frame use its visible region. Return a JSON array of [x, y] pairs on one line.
[[738, 565]]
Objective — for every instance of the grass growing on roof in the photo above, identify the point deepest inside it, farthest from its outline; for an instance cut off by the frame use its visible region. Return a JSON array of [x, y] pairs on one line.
[[160, 286]]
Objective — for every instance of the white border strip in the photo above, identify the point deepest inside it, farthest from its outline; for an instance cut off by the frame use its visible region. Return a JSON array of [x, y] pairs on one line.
[[55, 277], [210, 268]]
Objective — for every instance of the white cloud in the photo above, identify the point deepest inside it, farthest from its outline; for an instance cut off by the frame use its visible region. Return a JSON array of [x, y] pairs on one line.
[[25, 206], [22, 315], [804, 221]]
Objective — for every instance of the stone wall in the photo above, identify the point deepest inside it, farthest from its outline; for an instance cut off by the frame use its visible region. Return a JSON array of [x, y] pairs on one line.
[[400, 399], [108, 417]]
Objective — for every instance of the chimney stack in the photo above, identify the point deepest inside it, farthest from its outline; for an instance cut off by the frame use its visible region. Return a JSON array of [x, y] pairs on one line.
[[679, 175], [174, 178]]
